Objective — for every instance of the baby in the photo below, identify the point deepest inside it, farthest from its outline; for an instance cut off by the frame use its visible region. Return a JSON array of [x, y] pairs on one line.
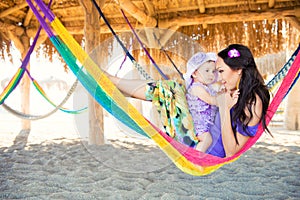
[[199, 78]]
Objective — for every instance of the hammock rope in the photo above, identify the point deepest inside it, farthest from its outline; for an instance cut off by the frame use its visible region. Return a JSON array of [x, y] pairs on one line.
[[16, 79], [283, 71], [143, 46], [135, 64], [167, 55], [105, 92], [38, 117]]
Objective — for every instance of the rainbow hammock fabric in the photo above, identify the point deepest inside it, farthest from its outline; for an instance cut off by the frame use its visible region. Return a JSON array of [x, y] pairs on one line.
[[105, 93], [16, 79]]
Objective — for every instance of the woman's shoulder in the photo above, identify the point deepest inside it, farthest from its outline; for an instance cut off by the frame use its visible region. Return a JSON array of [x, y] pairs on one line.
[[256, 108]]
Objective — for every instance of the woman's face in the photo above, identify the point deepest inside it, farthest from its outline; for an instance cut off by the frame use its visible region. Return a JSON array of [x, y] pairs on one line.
[[230, 78]]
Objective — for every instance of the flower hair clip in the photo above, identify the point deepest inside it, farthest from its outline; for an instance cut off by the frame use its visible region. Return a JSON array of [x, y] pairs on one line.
[[233, 53]]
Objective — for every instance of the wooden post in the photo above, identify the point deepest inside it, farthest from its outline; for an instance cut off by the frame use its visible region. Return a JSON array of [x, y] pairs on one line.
[[21, 41], [92, 36], [25, 87], [292, 111]]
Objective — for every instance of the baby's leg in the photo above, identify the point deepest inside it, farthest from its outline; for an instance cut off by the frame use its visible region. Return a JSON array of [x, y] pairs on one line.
[[205, 141]]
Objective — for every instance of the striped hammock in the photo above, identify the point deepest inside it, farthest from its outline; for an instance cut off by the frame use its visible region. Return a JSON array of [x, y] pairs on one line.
[[105, 93]]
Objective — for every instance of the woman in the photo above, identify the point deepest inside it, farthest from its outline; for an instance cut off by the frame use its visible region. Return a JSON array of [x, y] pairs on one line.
[[242, 104], [239, 113]]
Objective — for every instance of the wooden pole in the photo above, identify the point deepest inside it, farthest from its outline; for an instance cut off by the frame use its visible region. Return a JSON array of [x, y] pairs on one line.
[[22, 44], [25, 87], [292, 111], [92, 36]]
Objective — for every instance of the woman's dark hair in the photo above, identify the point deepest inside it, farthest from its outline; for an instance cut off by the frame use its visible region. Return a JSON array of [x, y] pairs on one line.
[[238, 56]]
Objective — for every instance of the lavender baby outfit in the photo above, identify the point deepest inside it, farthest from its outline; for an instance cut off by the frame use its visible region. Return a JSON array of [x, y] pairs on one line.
[[203, 114]]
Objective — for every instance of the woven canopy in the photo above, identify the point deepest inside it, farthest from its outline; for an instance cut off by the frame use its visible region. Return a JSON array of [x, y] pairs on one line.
[[266, 26]]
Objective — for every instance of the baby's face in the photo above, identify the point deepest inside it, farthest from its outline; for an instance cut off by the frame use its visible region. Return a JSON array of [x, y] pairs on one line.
[[206, 73]]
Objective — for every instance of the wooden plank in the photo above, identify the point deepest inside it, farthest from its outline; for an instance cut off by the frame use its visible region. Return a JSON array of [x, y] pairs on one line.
[[13, 9]]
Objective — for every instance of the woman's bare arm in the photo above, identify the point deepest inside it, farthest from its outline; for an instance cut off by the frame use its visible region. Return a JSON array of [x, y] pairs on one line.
[[225, 102]]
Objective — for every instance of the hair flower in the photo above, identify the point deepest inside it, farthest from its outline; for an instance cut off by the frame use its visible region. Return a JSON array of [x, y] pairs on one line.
[[233, 53]]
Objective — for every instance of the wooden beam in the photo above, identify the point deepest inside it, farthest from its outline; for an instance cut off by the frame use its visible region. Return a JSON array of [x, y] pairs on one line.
[[186, 8], [138, 14], [217, 5], [72, 19], [271, 3], [18, 43], [13, 18], [10, 27], [13, 9], [202, 10], [201, 6], [174, 23], [228, 18], [28, 17], [149, 6]]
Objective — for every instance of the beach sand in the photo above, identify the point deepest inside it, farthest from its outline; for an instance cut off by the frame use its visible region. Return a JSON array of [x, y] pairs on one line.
[[52, 162]]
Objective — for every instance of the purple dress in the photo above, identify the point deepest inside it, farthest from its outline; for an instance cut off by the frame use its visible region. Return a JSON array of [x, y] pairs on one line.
[[203, 114], [217, 148]]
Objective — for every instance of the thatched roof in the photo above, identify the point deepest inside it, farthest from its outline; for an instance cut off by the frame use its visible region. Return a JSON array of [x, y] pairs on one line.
[[266, 26]]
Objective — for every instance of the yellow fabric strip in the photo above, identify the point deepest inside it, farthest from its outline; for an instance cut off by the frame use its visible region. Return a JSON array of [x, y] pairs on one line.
[[179, 160]]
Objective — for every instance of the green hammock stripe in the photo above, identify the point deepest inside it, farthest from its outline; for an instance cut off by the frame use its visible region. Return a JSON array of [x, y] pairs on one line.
[[93, 88]]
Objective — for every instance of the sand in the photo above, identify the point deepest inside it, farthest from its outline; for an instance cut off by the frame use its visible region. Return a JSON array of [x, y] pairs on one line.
[[53, 162]]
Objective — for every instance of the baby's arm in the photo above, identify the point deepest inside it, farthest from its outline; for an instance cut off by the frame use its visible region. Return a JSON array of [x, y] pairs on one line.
[[201, 93]]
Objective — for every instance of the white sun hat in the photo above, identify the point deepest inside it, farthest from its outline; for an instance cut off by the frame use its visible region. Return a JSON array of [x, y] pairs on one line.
[[195, 62]]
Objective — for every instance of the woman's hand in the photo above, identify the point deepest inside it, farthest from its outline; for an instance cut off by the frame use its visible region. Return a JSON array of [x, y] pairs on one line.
[[227, 99]]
